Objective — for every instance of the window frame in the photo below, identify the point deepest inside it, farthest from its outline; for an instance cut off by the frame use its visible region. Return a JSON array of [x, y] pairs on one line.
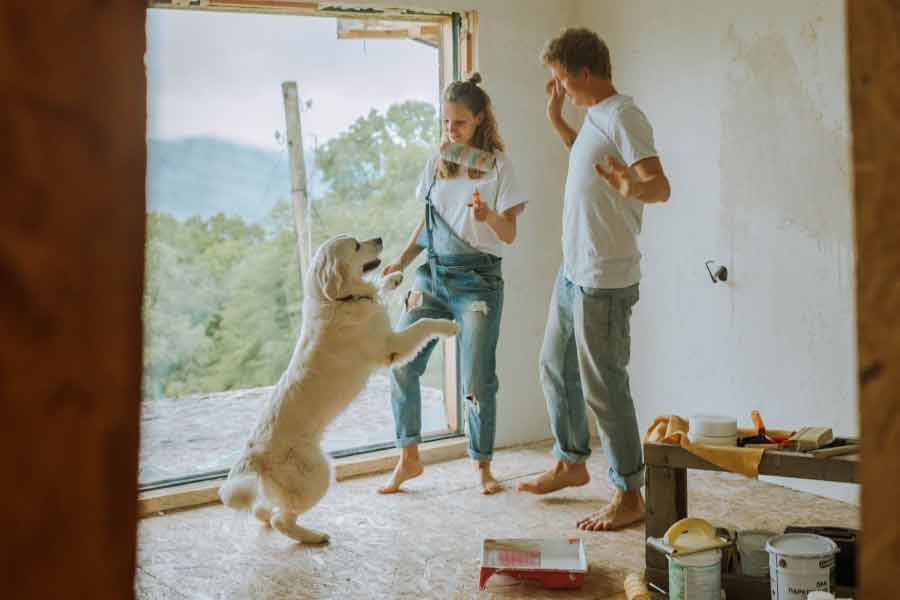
[[456, 55]]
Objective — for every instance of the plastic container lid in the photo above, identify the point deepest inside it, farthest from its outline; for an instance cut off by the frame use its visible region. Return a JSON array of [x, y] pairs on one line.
[[801, 545], [713, 426]]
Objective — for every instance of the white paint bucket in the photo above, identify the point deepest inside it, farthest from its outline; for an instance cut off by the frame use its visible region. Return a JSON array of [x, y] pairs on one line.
[[696, 576], [751, 545], [800, 563]]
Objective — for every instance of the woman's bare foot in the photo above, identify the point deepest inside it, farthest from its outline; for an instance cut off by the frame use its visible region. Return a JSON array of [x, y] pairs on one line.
[[563, 475], [489, 485], [623, 510], [409, 467]]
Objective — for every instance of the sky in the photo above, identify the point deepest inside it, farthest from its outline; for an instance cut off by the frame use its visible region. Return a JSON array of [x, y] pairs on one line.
[[220, 74]]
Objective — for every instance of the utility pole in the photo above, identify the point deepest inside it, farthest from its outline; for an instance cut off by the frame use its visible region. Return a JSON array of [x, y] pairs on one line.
[[299, 196]]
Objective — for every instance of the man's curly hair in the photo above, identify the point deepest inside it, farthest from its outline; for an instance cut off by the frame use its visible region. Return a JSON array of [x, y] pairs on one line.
[[577, 48]]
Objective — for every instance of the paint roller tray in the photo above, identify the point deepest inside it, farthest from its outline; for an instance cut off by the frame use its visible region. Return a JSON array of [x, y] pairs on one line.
[[554, 563]]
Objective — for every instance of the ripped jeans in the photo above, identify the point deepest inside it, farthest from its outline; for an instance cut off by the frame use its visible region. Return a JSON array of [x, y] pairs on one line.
[[468, 289]]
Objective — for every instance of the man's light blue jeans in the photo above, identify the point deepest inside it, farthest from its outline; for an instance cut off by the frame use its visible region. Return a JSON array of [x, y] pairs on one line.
[[587, 345]]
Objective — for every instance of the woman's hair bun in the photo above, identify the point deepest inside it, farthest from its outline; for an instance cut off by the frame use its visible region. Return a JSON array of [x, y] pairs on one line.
[[474, 78]]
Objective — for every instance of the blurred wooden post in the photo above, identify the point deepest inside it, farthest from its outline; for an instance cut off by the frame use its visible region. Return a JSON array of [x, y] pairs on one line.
[[298, 173], [873, 56], [72, 228]]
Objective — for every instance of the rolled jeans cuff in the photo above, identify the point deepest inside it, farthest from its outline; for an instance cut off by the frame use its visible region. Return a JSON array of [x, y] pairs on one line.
[[479, 455], [570, 457], [409, 441], [629, 482]]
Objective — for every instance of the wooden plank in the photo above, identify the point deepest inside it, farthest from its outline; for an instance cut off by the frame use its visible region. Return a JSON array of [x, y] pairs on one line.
[[195, 494], [299, 197], [666, 490], [783, 464], [72, 227], [873, 56], [303, 7]]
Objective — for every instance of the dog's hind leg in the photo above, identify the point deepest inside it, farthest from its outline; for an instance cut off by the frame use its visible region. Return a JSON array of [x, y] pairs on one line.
[[405, 344], [286, 523], [239, 492]]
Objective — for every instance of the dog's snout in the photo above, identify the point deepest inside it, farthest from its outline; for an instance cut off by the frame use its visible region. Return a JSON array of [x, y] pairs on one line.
[[378, 241]]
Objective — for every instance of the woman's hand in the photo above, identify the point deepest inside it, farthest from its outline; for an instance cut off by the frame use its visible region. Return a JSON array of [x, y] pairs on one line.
[[395, 267], [481, 211]]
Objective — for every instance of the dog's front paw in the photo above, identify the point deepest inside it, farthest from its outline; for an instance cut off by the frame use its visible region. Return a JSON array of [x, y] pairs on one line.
[[447, 328], [392, 281]]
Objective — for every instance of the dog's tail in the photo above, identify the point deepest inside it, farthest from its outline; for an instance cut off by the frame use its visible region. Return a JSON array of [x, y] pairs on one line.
[[240, 492]]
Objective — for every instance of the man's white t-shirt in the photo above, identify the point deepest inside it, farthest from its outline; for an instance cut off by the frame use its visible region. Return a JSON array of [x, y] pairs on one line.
[[600, 227], [450, 197]]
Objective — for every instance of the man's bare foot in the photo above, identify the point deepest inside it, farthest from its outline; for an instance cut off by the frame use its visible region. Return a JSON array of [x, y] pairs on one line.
[[623, 510], [489, 485], [405, 470], [563, 475]]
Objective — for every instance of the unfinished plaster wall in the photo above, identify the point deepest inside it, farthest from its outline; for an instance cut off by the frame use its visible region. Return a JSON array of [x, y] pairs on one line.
[[750, 109]]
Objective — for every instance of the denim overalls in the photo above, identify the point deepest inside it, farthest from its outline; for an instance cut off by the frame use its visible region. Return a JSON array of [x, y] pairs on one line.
[[462, 283]]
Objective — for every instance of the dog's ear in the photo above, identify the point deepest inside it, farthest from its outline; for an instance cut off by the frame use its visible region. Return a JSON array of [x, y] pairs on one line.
[[330, 276]]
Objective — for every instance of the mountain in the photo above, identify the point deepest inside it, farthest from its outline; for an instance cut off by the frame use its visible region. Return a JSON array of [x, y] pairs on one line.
[[205, 175]]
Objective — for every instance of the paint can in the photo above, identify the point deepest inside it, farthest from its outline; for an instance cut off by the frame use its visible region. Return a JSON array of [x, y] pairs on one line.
[[751, 545], [696, 576], [800, 563]]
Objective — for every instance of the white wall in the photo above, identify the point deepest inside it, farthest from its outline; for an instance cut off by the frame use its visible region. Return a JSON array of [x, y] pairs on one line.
[[749, 106], [750, 111]]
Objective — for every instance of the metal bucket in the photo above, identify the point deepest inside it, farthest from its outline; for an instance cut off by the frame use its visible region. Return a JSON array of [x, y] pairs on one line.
[[696, 576], [800, 563]]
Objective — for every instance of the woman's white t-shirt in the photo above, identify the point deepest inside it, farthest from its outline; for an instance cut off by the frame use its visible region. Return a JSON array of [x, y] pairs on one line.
[[450, 197]]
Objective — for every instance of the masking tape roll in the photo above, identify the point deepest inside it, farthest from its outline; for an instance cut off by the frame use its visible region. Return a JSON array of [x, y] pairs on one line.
[[635, 588]]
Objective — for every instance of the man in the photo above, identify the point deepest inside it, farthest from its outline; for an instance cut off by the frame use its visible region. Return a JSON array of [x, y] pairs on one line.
[[613, 171]]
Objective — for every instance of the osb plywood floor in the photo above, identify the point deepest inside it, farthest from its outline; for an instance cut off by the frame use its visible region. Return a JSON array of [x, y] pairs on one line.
[[425, 543]]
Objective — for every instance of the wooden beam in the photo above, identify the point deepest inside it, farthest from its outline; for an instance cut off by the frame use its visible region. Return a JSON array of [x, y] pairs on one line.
[[783, 464], [873, 40], [299, 197], [666, 504], [72, 228]]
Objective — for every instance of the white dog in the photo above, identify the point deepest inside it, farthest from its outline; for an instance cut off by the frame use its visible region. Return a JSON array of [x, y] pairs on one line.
[[346, 335]]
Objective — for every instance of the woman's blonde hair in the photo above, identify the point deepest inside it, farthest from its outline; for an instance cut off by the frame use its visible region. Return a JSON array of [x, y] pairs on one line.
[[473, 97]]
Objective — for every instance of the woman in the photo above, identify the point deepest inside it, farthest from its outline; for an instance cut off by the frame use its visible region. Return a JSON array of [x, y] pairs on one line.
[[470, 218]]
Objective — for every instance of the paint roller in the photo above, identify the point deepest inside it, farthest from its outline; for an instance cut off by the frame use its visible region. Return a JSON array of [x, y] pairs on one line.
[[636, 588], [469, 157]]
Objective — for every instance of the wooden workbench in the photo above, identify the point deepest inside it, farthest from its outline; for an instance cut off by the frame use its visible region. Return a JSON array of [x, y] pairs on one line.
[[666, 480]]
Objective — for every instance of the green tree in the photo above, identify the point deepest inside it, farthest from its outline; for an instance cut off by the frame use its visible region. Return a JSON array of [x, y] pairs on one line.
[[223, 298]]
